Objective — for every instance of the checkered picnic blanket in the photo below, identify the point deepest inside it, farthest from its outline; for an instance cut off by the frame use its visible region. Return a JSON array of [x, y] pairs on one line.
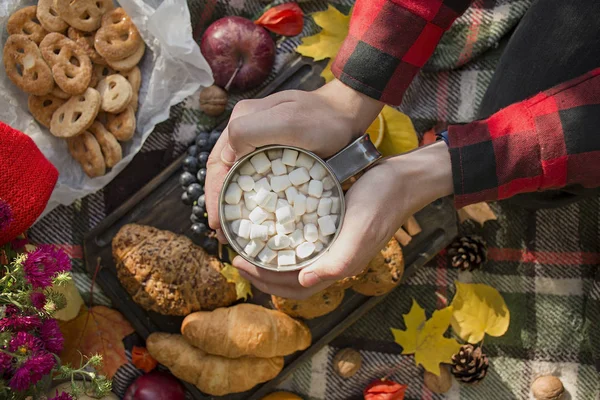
[[545, 263]]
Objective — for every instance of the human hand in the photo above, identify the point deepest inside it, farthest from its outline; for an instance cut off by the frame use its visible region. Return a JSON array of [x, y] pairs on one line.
[[322, 121], [376, 206]]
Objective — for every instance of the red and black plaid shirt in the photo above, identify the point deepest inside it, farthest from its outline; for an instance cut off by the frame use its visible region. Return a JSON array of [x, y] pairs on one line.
[[546, 142]]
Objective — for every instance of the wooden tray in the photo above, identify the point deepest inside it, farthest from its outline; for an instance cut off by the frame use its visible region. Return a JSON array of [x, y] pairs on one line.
[[158, 204]]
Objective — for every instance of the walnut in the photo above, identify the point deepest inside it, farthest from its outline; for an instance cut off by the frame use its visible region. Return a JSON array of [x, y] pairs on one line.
[[347, 362], [438, 384], [548, 388], [213, 100]]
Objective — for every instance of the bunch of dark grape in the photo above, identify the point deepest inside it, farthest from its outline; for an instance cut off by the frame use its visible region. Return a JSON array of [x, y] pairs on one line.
[[192, 181]]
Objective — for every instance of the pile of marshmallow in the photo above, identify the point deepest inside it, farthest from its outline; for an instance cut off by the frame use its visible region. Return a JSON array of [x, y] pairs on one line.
[[283, 207]]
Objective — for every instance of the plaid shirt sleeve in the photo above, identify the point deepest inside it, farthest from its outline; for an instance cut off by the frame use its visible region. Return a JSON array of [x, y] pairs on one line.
[[548, 141], [389, 41]]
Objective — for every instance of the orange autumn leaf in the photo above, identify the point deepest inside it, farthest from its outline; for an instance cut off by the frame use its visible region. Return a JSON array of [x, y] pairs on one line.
[[97, 330], [141, 358]]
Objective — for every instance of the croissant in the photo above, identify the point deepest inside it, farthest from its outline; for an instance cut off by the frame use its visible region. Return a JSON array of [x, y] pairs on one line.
[[213, 375], [245, 330]]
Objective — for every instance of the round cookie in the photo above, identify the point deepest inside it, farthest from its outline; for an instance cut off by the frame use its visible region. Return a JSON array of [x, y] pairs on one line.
[[122, 125], [71, 67], [111, 149], [49, 18], [383, 273], [25, 66], [116, 93], [85, 40], [118, 38], [76, 115], [130, 62], [317, 305], [85, 149], [25, 22], [85, 15], [43, 107]]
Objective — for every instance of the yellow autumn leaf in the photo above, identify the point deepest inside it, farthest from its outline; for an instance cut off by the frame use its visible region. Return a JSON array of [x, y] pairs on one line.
[[425, 338], [243, 288], [327, 43], [478, 309], [399, 135]]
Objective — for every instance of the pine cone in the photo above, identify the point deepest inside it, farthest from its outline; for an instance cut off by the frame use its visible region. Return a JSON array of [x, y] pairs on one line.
[[468, 252], [470, 365]]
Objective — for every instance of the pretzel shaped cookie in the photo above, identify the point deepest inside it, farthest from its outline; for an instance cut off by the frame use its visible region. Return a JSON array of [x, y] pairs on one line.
[[86, 150], [76, 115], [118, 38], [25, 22], [111, 149], [85, 40], [100, 72], [49, 18], [115, 92], [71, 67], [130, 62], [134, 77], [122, 125], [85, 15], [43, 107], [25, 66]]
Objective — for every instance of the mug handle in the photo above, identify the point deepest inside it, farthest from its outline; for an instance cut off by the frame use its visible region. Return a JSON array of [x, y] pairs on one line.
[[354, 158]]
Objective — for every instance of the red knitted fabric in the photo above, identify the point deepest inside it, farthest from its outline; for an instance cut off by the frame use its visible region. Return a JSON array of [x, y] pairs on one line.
[[27, 180]]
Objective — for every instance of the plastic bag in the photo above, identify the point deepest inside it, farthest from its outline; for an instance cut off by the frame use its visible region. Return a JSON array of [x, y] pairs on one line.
[[172, 69]]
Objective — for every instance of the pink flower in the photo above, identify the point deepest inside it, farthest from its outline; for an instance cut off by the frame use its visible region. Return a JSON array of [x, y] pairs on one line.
[[32, 370], [43, 264], [5, 363], [24, 343], [62, 396], [17, 323], [52, 336], [6, 215], [38, 299]]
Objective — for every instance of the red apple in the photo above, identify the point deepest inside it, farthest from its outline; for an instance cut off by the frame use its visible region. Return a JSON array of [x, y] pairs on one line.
[[235, 42], [155, 385]]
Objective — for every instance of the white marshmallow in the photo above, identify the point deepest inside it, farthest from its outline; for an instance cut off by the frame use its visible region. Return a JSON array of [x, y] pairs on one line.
[[235, 178], [324, 207], [232, 212], [267, 255], [318, 171], [282, 203], [304, 160], [328, 183], [261, 197], [259, 232], [257, 177], [271, 203], [303, 189], [289, 157], [326, 225], [253, 247], [305, 250], [262, 183], [280, 183], [249, 199], [285, 214], [233, 194], [270, 226], [274, 153], [279, 242], [327, 193], [284, 229], [299, 224], [258, 215], [300, 204], [318, 247], [278, 167], [310, 218], [246, 183], [311, 204], [245, 213], [290, 194], [335, 205], [311, 233], [235, 226], [261, 163], [296, 238], [299, 176], [244, 229], [315, 188], [247, 169], [242, 242], [286, 257]]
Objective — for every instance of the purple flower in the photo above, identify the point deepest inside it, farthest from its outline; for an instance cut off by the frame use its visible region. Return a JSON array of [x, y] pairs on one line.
[[24, 343], [38, 299], [6, 215], [43, 264], [5, 363], [52, 336], [32, 370], [17, 323], [62, 396]]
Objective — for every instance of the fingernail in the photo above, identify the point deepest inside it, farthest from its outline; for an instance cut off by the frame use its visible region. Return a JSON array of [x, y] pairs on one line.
[[228, 155], [309, 279]]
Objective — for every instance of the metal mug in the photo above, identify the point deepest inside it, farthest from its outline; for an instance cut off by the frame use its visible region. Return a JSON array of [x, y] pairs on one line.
[[348, 162]]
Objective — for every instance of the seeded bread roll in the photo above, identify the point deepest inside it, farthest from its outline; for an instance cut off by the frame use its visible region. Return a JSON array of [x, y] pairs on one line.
[[166, 273]]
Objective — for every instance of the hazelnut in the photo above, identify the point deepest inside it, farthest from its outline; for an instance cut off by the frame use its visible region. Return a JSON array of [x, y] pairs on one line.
[[347, 362], [548, 388], [213, 100], [438, 384]]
